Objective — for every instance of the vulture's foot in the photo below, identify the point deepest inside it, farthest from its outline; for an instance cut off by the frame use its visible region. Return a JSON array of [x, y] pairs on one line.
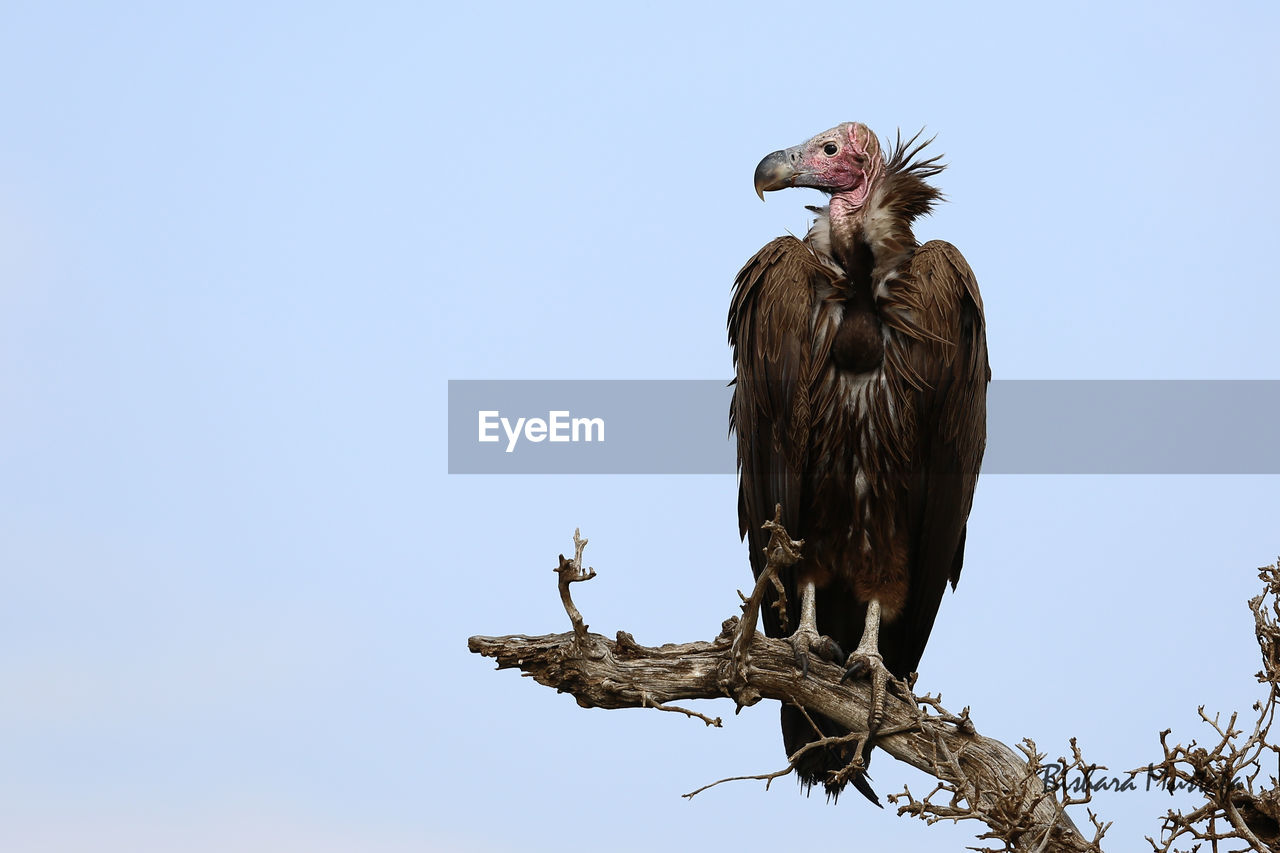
[[806, 640], [867, 663]]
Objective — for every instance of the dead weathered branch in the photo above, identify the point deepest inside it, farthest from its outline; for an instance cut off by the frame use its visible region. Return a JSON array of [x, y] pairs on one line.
[[570, 571], [782, 551], [1008, 817], [979, 778], [985, 780]]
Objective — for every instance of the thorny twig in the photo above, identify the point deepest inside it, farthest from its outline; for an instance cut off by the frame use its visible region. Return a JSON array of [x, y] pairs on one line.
[[1238, 809], [1008, 812]]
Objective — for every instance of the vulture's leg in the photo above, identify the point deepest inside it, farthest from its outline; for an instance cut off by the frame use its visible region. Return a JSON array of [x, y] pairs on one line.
[[867, 661], [807, 637]]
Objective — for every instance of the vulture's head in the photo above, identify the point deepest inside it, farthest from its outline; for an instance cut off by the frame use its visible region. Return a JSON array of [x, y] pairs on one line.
[[845, 161]]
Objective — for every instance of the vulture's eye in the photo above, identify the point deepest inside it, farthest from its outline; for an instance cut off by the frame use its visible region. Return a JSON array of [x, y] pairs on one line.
[[830, 149]]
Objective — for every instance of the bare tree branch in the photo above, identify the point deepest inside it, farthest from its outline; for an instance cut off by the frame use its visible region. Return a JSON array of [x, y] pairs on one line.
[[984, 779], [979, 778]]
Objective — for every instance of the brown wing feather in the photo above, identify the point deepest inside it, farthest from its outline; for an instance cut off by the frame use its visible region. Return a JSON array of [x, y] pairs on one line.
[[948, 353], [773, 300]]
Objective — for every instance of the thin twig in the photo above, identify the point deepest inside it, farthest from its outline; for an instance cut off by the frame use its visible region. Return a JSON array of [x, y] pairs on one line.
[[767, 778], [676, 709]]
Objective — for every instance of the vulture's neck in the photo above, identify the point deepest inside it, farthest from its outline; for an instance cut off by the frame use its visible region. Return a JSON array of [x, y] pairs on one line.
[[869, 242]]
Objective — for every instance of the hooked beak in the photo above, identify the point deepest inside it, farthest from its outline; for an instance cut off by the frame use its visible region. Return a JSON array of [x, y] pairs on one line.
[[777, 171]]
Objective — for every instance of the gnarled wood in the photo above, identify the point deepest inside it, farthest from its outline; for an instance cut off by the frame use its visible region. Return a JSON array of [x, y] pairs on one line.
[[1000, 786]]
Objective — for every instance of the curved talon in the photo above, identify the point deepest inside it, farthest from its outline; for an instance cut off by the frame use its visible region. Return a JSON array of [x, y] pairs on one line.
[[803, 641], [862, 664], [800, 647]]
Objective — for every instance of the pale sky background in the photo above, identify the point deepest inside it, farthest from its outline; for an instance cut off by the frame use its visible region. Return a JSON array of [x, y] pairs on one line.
[[242, 250]]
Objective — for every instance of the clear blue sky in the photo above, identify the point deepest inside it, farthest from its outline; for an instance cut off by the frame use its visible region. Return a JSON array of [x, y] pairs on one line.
[[242, 250]]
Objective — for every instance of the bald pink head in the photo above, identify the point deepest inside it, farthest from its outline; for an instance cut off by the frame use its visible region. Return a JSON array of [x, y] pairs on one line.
[[845, 161]]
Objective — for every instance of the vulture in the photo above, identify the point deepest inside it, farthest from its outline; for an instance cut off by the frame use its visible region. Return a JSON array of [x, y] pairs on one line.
[[859, 406]]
